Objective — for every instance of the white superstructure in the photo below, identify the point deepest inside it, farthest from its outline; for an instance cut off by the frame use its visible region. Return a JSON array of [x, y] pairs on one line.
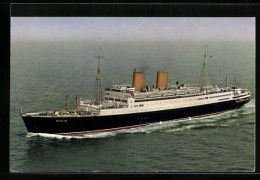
[[122, 99]]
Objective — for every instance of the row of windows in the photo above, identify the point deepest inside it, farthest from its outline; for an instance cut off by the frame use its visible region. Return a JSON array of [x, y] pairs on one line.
[[141, 105], [143, 100], [223, 99], [179, 101], [156, 99], [168, 106], [172, 105], [118, 100], [220, 96]]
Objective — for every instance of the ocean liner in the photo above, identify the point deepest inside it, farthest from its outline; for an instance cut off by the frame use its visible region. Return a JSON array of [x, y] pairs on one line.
[[126, 107]]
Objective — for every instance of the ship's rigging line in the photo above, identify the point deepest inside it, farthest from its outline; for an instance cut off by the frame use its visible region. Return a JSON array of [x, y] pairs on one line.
[[205, 75], [93, 90], [211, 78], [195, 76], [69, 84], [209, 75], [200, 77], [229, 75]]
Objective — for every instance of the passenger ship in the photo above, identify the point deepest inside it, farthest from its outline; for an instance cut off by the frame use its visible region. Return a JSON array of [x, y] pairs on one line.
[[126, 107]]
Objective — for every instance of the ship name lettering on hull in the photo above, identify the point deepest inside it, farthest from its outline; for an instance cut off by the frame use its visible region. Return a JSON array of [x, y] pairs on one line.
[[61, 120]]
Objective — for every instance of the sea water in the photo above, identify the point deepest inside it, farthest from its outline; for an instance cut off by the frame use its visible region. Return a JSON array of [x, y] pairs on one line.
[[43, 73]]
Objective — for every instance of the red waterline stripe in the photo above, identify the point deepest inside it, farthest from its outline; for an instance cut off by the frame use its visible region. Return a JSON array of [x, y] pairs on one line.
[[131, 127], [211, 114], [108, 130]]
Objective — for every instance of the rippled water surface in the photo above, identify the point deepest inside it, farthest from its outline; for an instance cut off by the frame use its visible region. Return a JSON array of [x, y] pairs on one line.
[[42, 74]]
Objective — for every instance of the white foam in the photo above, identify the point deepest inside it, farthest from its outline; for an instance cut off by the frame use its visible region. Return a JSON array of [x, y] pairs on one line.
[[181, 129], [223, 125], [247, 112], [56, 136], [250, 104], [99, 135], [191, 122]]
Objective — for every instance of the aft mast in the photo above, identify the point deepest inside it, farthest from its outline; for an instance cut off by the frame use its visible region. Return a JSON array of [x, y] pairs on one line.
[[226, 81], [98, 75], [205, 54], [235, 82]]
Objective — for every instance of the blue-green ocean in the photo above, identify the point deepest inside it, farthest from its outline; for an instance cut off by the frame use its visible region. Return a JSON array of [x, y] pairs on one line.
[[44, 72]]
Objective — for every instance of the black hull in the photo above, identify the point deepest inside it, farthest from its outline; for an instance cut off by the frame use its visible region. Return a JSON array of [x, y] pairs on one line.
[[82, 125]]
